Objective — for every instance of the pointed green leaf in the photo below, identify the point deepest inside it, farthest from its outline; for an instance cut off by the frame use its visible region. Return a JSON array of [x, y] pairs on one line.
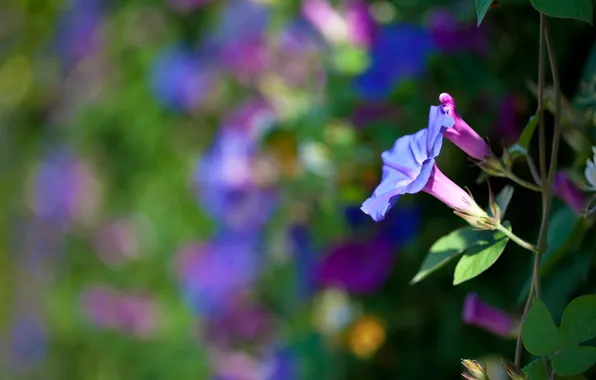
[[445, 249], [482, 6], [578, 324], [480, 256], [524, 140], [573, 360], [504, 197], [539, 332], [573, 9]]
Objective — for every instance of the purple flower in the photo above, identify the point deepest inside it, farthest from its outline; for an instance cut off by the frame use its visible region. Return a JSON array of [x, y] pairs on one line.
[[283, 365], [451, 37], [213, 275], [240, 38], [357, 266], [240, 324], [79, 30], [64, 190], [479, 314], [462, 134], [28, 341], [180, 80], [569, 193], [409, 167], [226, 182], [362, 28], [129, 313], [399, 53]]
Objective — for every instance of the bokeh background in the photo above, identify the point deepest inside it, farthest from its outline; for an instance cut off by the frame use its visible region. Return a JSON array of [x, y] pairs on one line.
[[181, 183]]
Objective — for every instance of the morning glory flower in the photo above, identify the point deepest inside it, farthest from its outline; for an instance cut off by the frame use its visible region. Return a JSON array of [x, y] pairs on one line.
[[565, 189], [399, 52], [462, 134], [477, 313], [409, 167]]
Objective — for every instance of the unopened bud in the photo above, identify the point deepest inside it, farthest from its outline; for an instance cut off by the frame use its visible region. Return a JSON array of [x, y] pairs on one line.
[[476, 370], [493, 166], [513, 370]]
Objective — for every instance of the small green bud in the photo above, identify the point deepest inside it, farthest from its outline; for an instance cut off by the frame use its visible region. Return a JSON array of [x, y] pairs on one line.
[[476, 370]]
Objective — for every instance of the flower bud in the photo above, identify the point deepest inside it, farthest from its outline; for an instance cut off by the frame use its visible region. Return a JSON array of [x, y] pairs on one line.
[[476, 370]]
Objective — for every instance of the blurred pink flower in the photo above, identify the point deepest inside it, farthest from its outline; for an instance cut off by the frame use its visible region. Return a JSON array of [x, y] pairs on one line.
[[362, 28], [477, 313], [568, 192], [128, 313], [116, 242]]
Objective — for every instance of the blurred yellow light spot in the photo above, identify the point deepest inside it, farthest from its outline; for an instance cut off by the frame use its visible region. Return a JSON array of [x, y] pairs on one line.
[[332, 311], [15, 80], [339, 133], [366, 336]]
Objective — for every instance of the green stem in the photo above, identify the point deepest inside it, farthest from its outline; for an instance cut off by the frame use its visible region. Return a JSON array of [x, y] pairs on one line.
[[546, 190], [522, 182], [522, 243]]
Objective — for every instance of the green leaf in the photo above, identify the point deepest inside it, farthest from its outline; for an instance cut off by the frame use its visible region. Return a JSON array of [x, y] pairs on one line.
[[573, 360], [578, 324], [504, 197], [482, 6], [573, 9], [445, 249], [560, 230], [526, 137], [480, 256], [536, 370], [539, 332]]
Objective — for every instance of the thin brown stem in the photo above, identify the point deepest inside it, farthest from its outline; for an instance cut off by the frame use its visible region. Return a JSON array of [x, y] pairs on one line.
[[533, 169], [518, 346]]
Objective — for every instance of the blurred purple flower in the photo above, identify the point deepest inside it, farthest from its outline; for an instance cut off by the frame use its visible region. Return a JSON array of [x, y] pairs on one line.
[[78, 30], [506, 125], [64, 190], [400, 52], [282, 365], [225, 180], [242, 323], [240, 38], [180, 80], [215, 274], [362, 28], [298, 55], [235, 365], [129, 313], [451, 36], [253, 117], [568, 192], [462, 135], [357, 266], [486, 317], [28, 341]]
